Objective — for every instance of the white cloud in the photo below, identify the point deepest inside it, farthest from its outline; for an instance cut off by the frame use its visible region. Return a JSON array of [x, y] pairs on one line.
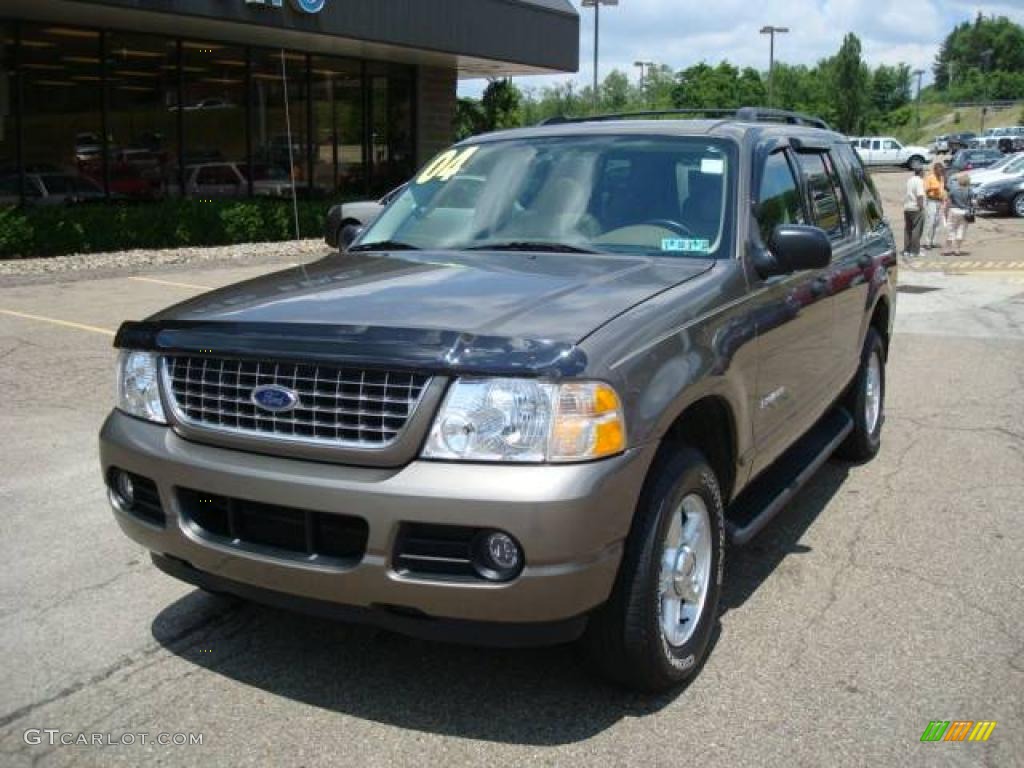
[[681, 33]]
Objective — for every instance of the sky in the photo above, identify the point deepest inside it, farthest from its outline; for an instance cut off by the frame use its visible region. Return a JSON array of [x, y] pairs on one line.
[[681, 33]]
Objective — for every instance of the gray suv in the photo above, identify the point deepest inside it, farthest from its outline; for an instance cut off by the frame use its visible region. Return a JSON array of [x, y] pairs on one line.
[[537, 415]]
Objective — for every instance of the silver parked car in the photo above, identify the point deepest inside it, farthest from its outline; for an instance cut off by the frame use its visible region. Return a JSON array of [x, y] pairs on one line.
[[355, 215], [50, 189]]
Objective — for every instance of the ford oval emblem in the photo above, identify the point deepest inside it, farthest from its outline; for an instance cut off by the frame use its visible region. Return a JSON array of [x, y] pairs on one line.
[[275, 399]]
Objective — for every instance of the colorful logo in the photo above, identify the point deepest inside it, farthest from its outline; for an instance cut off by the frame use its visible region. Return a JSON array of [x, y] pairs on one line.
[[309, 6], [958, 730]]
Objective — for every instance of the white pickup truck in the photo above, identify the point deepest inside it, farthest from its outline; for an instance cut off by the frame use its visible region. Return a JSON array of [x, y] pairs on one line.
[[885, 150]]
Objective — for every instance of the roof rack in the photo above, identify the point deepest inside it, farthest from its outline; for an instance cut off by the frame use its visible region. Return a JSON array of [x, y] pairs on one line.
[[746, 114]]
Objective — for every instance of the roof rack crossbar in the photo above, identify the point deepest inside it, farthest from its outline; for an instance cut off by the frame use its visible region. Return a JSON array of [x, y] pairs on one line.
[[747, 114]]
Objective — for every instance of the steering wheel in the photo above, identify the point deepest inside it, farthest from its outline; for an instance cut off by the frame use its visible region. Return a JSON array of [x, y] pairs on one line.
[[675, 226]]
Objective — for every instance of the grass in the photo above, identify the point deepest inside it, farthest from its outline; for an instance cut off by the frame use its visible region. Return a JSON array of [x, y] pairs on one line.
[[937, 119]]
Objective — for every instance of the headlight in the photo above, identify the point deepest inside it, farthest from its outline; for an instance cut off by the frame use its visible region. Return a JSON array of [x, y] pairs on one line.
[[525, 420], [138, 385]]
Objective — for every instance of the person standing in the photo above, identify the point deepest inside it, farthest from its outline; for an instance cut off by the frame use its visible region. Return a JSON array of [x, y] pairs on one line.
[[913, 214], [960, 208], [935, 203]]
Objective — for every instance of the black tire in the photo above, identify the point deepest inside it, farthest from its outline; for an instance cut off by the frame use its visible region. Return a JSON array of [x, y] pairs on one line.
[[915, 162], [624, 637], [1017, 206], [863, 442]]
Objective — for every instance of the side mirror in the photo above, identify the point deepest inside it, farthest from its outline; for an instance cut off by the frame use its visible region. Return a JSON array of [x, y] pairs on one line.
[[794, 248], [348, 235]]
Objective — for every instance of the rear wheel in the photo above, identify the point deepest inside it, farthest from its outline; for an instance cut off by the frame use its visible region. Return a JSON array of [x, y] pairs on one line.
[[655, 630], [866, 403]]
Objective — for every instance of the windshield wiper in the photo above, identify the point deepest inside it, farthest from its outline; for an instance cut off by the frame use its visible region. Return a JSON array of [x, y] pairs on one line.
[[530, 245], [384, 245]]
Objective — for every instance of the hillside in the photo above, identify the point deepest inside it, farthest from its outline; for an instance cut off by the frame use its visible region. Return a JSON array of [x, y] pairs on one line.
[[937, 119]]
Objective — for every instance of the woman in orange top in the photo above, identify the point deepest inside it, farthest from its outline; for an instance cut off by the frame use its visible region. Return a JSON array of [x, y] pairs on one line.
[[935, 199]]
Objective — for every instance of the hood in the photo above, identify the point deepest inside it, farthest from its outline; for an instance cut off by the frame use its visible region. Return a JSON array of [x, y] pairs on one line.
[[557, 297]]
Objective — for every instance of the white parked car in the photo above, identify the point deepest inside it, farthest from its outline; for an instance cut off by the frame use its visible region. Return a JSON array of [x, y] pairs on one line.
[[218, 180], [885, 150], [1009, 167], [1006, 139]]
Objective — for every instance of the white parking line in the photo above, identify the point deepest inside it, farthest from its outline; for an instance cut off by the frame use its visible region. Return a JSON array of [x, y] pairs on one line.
[[55, 321], [191, 286]]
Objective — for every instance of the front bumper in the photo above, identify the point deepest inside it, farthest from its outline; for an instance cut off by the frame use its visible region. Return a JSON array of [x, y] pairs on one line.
[[571, 521], [994, 203]]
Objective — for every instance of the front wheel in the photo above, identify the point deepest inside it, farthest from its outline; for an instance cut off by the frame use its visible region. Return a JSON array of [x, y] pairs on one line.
[[655, 630], [1017, 206], [915, 163], [866, 403]]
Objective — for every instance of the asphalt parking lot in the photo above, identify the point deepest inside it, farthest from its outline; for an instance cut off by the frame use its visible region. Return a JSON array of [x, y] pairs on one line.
[[886, 596]]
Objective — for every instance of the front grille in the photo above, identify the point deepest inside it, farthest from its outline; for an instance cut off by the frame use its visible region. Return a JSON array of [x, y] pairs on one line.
[[285, 531], [336, 406]]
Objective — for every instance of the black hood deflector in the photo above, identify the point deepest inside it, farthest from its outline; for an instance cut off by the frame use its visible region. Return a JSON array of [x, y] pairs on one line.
[[412, 349]]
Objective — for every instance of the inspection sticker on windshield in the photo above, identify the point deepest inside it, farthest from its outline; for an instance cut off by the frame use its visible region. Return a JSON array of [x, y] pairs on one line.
[[714, 166], [685, 245], [446, 165]]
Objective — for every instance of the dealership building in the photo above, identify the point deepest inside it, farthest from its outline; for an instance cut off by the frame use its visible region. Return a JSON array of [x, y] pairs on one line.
[[224, 98]]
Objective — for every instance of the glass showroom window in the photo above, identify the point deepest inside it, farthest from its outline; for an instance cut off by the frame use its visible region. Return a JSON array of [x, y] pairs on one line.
[[339, 162], [8, 141], [276, 160], [213, 120], [62, 119], [391, 126], [142, 88]]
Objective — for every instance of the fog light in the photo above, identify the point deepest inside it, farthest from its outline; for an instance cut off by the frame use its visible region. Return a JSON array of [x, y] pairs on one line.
[[124, 488], [498, 556]]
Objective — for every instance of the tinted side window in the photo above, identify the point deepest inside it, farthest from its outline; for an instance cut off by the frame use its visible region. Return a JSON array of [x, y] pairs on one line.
[[824, 201], [779, 197], [864, 188]]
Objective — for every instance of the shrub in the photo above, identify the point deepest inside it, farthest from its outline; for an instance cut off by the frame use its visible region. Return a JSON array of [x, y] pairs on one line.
[[90, 228]]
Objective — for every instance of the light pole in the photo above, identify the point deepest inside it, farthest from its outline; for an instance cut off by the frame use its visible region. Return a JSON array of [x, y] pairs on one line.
[[986, 64], [645, 66], [596, 5], [919, 73], [772, 31]]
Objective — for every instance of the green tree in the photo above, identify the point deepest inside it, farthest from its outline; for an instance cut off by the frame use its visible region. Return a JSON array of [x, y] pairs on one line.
[[469, 119], [986, 46], [722, 87], [851, 85], [617, 94], [500, 104]]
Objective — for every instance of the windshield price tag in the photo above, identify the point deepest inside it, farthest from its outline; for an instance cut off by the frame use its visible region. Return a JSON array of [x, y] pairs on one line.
[[446, 165]]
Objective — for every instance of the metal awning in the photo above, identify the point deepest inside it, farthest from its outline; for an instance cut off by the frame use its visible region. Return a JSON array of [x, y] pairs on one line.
[[479, 38]]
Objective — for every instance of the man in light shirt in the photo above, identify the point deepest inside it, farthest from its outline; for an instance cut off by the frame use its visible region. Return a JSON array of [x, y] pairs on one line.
[[913, 214]]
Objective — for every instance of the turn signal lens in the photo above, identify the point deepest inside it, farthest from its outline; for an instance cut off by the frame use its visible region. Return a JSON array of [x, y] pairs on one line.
[[588, 423]]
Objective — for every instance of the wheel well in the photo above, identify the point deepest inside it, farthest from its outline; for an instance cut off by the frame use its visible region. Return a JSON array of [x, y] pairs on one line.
[[880, 322], [708, 426]]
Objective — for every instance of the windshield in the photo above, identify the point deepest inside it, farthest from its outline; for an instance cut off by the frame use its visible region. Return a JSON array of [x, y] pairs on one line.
[[611, 194]]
